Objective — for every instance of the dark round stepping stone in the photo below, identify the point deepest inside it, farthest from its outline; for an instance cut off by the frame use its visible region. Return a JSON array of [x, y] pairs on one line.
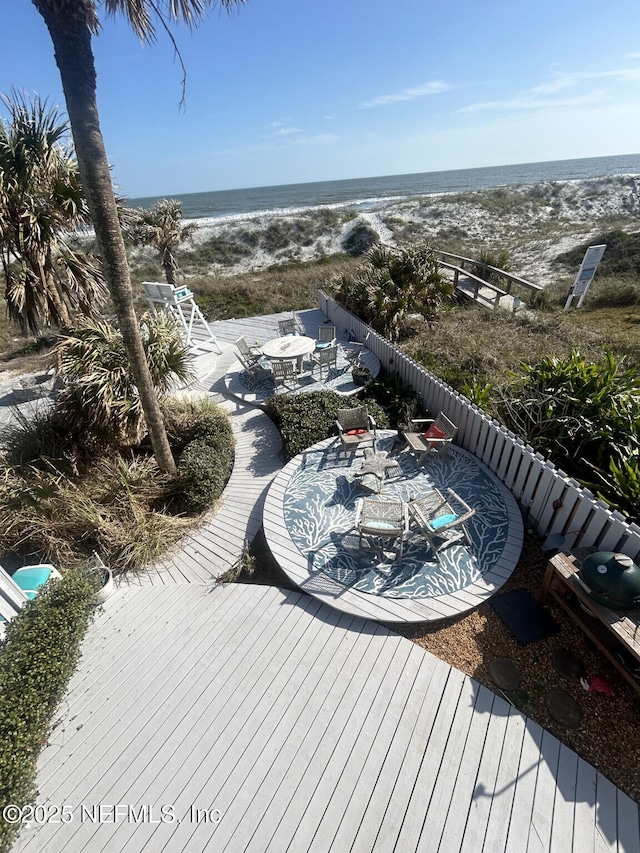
[[568, 665], [563, 708], [504, 674]]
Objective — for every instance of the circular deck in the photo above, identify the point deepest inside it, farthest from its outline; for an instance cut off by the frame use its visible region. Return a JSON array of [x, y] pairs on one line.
[[309, 525], [257, 390]]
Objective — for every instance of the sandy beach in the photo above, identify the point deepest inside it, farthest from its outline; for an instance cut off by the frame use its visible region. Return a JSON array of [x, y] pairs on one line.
[[534, 222]]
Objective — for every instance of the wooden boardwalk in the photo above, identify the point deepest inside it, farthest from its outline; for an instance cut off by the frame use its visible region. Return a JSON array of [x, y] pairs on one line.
[[254, 719], [215, 547]]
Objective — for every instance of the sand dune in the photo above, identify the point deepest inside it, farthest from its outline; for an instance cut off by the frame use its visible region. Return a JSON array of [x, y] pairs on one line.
[[534, 222]]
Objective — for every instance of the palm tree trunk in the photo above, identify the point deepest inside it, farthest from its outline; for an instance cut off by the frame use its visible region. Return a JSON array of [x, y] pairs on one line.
[[169, 265], [70, 23], [60, 311]]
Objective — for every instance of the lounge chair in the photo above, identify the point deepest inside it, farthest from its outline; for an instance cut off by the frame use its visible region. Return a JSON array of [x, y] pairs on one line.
[[433, 437], [356, 427], [376, 519], [441, 520]]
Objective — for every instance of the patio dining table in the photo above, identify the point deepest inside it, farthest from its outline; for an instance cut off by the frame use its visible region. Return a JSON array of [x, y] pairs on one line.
[[291, 346]]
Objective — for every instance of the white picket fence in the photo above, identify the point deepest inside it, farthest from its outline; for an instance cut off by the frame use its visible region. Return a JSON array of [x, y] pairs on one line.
[[550, 500]]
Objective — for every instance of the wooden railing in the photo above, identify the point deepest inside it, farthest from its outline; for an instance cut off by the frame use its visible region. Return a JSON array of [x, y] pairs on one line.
[[467, 264], [478, 282], [550, 500]]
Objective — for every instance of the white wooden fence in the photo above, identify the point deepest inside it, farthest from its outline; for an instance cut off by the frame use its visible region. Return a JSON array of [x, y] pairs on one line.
[[550, 500]]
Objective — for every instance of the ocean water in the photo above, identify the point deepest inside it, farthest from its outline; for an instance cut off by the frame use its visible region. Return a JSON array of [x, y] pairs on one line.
[[369, 193]]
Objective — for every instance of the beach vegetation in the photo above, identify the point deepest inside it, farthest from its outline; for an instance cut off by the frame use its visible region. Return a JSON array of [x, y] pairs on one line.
[[99, 396], [360, 239], [499, 260], [161, 227], [48, 281], [621, 257], [38, 657], [63, 497], [215, 251], [393, 284], [584, 416], [305, 419], [282, 287]]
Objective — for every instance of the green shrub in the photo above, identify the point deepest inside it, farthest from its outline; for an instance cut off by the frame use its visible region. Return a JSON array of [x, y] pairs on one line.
[[201, 435], [584, 416], [37, 659], [391, 285], [500, 260], [203, 470], [304, 419], [200, 418], [360, 239], [394, 395], [621, 257]]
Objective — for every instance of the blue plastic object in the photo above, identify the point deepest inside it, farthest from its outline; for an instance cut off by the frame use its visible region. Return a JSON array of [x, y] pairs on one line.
[[31, 578]]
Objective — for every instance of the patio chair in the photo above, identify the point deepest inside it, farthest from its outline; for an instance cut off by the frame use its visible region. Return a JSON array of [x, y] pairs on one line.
[[289, 327], [356, 427], [376, 519], [438, 520], [251, 354], [325, 358], [326, 337], [253, 369], [284, 371], [434, 439]]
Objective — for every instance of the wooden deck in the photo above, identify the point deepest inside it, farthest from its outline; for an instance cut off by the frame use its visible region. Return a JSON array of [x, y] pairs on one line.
[[306, 729], [264, 720], [217, 544], [318, 584]]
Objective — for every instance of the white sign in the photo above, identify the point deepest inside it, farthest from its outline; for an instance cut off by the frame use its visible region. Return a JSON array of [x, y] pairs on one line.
[[588, 267]]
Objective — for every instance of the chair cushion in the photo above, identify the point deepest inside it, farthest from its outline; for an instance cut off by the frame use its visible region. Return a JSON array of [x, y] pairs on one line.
[[323, 344], [379, 525], [356, 432], [442, 520], [434, 432], [31, 578]]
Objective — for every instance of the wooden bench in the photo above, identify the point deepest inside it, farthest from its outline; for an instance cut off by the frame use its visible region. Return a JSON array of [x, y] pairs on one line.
[[616, 633]]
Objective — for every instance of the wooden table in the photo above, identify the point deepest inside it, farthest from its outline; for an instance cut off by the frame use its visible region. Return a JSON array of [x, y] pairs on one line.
[[290, 346], [613, 631]]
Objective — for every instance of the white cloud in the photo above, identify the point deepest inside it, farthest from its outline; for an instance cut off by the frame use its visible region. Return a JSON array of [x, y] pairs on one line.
[[317, 139], [566, 81], [527, 102], [410, 94]]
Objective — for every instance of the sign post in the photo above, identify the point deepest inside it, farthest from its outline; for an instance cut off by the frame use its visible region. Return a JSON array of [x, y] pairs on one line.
[[588, 267]]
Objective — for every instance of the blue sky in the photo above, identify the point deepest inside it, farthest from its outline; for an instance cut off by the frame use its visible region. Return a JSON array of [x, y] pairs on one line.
[[287, 91]]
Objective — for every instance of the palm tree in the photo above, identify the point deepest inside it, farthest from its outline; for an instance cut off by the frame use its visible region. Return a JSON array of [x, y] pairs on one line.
[[99, 396], [161, 227], [71, 25], [41, 202]]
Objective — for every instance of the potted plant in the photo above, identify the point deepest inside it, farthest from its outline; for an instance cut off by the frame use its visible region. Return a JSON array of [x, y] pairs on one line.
[[359, 372], [404, 421], [103, 577]]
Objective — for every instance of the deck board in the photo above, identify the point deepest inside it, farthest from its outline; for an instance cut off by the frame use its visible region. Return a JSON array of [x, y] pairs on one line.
[[310, 729]]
